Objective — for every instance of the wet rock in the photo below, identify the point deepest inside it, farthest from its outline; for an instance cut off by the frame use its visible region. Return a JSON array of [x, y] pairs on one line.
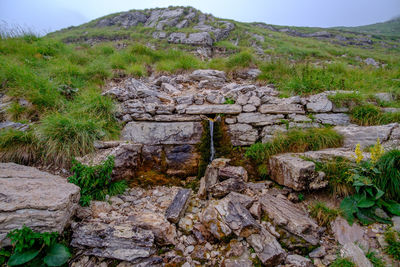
[[292, 171], [126, 157], [156, 133], [119, 241], [178, 205], [210, 178], [288, 216], [39, 200], [282, 109], [355, 254], [214, 109], [267, 248], [333, 118], [181, 160], [298, 261]]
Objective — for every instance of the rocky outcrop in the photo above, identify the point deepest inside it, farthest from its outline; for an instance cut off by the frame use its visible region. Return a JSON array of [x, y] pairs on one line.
[[288, 216], [39, 200], [295, 172]]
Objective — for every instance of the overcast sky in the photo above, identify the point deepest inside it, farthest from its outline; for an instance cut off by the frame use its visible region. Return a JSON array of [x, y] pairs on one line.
[[50, 15]]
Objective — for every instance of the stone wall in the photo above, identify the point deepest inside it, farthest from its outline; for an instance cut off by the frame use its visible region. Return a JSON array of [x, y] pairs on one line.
[[164, 113]]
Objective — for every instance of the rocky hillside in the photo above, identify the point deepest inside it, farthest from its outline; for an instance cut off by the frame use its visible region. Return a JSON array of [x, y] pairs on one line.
[[389, 28]]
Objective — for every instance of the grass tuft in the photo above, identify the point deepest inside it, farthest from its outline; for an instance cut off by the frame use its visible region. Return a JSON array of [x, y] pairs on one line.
[[323, 214]]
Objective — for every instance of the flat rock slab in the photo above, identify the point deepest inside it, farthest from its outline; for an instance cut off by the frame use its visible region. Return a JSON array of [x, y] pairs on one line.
[[288, 216], [178, 205], [122, 241], [365, 135], [163, 133], [282, 109], [344, 233], [214, 109], [37, 199]]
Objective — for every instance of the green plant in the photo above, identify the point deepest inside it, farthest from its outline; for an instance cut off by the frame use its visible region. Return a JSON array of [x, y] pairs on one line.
[[393, 247], [323, 214], [36, 249], [367, 203], [95, 181], [229, 101], [375, 259], [342, 262], [389, 177], [301, 197], [367, 114], [349, 99], [19, 146]]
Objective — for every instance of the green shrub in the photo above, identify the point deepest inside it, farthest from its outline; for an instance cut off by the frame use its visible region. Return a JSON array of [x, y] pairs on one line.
[[18, 146], [36, 249], [342, 262], [393, 247], [389, 177], [95, 181], [323, 214]]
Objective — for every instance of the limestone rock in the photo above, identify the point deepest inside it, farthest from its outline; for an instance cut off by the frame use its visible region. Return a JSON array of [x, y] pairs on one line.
[[355, 254], [267, 248], [292, 171], [344, 233], [282, 109], [214, 109], [298, 261], [237, 172], [177, 208], [210, 75], [258, 119], [365, 135], [39, 200], [242, 134], [14, 125], [156, 133], [120, 241], [333, 118], [225, 187], [319, 103], [288, 216]]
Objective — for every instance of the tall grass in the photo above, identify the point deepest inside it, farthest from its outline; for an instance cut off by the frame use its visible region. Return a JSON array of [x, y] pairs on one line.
[[18, 146], [389, 178], [369, 114]]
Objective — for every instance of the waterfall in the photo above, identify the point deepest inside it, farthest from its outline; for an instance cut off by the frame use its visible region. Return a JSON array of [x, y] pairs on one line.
[[212, 149]]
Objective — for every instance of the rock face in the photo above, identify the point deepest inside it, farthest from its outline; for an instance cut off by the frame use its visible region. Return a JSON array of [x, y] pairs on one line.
[[286, 215], [121, 242], [366, 135], [39, 200], [292, 171], [159, 133]]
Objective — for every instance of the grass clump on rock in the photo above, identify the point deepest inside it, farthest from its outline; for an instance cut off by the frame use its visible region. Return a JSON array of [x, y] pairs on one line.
[[294, 140], [323, 214]]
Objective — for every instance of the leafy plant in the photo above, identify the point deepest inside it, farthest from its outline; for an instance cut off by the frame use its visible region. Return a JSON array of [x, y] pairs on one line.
[[36, 249], [95, 181], [367, 203], [229, 101], [393, 247], [301, 197]]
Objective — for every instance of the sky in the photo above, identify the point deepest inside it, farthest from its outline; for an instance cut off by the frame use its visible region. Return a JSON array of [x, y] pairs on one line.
[[44, 16]]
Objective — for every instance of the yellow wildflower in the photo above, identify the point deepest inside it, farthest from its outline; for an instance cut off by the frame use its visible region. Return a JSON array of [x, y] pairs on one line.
[[376, 151], [359, 155]]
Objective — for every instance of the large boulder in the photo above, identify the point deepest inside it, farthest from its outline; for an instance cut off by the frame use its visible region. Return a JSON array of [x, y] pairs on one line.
[[39, 200]]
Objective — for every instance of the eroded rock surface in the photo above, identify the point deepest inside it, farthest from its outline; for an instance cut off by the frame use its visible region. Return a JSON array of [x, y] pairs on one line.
[[39, 200]]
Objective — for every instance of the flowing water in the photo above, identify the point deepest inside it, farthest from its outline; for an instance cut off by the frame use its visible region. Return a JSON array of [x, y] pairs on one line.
[[212, 149]]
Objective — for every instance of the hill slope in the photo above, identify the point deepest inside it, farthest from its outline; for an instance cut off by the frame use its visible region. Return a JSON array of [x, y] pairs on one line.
[[389, 28]]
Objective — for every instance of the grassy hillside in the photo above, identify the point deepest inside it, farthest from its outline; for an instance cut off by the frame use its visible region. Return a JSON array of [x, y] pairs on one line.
[[389, 28], [56, 86]]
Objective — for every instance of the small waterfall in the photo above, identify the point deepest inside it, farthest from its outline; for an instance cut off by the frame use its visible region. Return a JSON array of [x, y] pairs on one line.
[[212, 149]]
